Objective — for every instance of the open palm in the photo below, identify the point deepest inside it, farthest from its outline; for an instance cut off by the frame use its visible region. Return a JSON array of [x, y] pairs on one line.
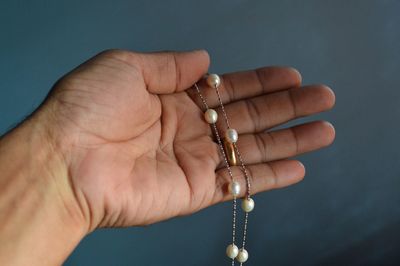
[[139, 151]]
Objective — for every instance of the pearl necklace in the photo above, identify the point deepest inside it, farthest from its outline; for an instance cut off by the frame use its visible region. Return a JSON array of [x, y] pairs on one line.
[[230, 136]]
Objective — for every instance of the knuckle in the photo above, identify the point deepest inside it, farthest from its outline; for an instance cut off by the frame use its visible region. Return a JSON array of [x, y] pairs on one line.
[[120, 54], [228, 88], [261, 145], [254, 113], [296, 144], [293, 104], [111, 52]]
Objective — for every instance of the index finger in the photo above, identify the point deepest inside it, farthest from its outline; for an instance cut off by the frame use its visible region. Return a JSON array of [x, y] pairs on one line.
[[240, 85]]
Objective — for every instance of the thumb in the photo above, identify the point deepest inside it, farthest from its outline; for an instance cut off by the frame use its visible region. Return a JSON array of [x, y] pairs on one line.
[[169, 72]]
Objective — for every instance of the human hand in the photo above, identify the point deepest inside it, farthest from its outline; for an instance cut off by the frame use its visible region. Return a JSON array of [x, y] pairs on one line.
[[137, 149]]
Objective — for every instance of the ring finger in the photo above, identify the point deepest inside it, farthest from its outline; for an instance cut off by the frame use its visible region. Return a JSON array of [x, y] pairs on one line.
[[281, 144]]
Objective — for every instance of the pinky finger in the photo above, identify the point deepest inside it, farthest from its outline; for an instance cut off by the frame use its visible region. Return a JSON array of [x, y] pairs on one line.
[[263, 177]]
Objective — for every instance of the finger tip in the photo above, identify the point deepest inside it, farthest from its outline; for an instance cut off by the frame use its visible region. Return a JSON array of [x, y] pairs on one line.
[[295, 171], [329, 96], [204, 55], [301, 171], [297, 75], [323, 133], [329, 132], [196, 65]]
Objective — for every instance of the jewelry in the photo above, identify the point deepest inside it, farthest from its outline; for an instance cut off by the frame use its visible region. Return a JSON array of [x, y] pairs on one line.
[[230, 153]]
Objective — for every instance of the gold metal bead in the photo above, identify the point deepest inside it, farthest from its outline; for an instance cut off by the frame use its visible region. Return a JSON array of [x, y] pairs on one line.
[[230, 153]]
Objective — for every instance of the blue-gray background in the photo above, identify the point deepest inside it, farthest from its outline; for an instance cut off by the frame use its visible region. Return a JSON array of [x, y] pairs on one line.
[[345, 212]]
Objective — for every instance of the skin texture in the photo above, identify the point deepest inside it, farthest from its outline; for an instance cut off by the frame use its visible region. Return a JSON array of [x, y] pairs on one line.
[[126, 144]]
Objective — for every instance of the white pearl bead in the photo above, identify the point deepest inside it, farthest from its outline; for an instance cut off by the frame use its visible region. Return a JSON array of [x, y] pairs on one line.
[[247, 204], [234, 188], [211, 116], [232, 251], [231, 135], [213, 80], [242, 256]]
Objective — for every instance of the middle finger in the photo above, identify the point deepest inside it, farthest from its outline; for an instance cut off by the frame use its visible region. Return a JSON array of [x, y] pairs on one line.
[[259, 113]]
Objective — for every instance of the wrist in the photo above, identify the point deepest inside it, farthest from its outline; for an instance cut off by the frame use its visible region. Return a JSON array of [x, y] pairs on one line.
[[38, 209]]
